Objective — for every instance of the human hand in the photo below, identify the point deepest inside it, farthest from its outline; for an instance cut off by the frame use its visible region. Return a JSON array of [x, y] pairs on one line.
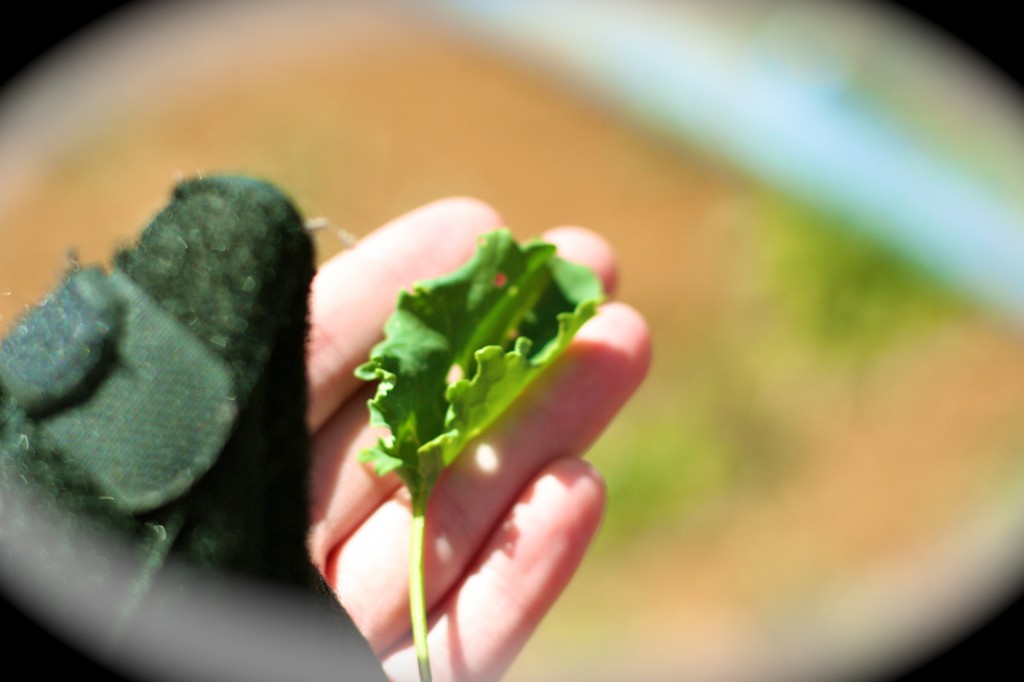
[[507, 526]]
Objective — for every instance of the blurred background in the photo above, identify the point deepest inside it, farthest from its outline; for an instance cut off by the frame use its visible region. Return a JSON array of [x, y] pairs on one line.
[[817, 206]]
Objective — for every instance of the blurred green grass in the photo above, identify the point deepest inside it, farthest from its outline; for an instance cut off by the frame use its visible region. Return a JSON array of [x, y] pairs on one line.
[[820, 299], [845, 294]]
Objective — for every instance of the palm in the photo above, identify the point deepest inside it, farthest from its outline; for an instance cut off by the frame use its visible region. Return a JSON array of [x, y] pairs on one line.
[[509, 523]]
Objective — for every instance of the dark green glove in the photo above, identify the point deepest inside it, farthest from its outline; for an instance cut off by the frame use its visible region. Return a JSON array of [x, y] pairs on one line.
[[164, 403]]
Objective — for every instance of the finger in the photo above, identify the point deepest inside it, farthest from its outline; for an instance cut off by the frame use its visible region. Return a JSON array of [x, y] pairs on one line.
[[343, 490], [582, 246], [559, 416], [477, 631], [353, 293]]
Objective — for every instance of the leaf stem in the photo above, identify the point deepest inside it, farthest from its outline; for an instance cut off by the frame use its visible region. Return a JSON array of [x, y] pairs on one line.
[[417, 597]]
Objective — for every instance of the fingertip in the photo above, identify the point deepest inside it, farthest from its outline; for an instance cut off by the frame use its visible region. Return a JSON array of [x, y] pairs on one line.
[[583, 246], [584, 490], [573, 473], [446, 228], [465, 210], [622, 330]]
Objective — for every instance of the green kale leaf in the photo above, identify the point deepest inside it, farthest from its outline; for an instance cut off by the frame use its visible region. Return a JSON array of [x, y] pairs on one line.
[[461, 348]]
